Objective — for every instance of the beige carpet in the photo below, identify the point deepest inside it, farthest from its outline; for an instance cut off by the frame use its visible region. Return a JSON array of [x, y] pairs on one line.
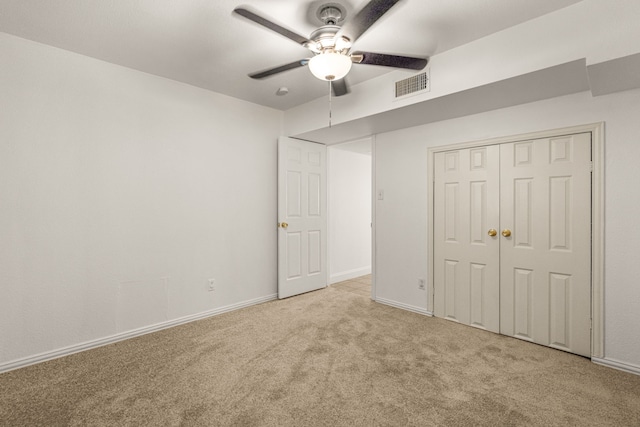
[[327, 358]]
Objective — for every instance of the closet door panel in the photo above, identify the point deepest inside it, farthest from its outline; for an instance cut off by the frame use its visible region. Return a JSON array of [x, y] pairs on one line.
[[545, 203], [466, 258]]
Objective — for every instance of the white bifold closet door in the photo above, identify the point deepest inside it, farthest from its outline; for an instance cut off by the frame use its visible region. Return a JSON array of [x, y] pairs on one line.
[[466, 267], [535, 274], [545, 265]]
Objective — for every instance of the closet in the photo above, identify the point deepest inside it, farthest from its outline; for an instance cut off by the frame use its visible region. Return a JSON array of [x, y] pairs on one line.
[[512, 239]]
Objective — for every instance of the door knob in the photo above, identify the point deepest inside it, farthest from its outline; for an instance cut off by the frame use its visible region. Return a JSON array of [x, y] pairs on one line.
[[283, 224], [492, 232], [506, 232]]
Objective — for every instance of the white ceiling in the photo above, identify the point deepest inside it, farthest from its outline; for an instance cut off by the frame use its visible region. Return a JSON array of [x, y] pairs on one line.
[[201, 43]]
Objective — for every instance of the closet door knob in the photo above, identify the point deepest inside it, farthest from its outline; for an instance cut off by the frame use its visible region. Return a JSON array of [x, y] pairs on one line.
[[506, 232], [492, 232]]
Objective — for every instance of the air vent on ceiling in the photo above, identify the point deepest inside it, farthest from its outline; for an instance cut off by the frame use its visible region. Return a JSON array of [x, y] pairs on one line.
[[413, 85]]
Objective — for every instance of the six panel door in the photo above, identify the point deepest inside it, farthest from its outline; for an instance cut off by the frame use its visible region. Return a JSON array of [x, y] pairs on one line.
[[302, 212], [545, 274], [466, 269]]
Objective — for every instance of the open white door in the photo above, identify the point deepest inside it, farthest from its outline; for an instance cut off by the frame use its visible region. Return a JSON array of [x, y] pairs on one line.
[[302, 216]]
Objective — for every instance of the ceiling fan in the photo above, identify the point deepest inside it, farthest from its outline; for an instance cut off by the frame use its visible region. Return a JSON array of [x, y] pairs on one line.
[[331, 43]]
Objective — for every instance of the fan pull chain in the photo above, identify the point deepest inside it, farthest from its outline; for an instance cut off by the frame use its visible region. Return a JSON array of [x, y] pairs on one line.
[[330, 87]]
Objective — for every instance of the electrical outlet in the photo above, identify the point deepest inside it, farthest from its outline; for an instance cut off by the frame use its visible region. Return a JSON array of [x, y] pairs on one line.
[[212, 285], [421, 284]]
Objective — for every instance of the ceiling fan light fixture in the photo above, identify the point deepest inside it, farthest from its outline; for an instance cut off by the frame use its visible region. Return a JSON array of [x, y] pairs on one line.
[[330, 66]]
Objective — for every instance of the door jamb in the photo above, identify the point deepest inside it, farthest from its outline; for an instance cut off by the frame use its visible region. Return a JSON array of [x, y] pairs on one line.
[[597, 216], [373, 217]]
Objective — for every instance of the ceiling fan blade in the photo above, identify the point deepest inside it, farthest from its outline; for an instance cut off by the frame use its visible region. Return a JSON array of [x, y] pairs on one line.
[[389, 60], [340, 87], [246, 13], [280, 69], [365, 18]]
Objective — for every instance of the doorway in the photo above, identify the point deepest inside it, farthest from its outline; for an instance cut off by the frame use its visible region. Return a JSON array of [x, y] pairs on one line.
[[349, 206]]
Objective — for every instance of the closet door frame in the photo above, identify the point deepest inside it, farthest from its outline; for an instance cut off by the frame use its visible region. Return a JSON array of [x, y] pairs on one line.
[[597, 215]]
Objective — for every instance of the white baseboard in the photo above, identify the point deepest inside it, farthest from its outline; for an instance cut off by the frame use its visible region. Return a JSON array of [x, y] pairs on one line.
[[403, 306], [88, 345], [615, 364], [347, 275]]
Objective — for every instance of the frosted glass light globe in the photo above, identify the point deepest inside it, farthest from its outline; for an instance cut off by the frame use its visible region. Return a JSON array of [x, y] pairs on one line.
[[330, 66]]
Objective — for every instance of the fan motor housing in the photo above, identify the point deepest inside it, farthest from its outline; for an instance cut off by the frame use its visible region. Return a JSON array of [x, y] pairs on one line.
[[324, 39], [326, 32]]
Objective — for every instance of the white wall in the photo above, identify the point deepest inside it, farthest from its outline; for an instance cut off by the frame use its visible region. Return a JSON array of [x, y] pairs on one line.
[[349, 214], [122, 193], [401, 219]]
